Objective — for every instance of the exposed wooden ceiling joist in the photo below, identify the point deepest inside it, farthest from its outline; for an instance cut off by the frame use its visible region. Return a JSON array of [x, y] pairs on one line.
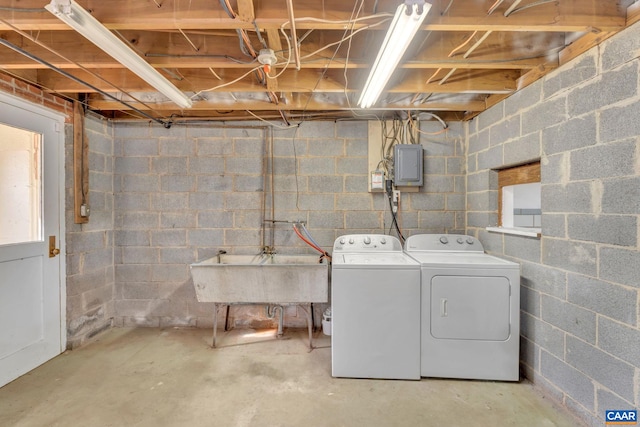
[[464, 15], [468, 54]]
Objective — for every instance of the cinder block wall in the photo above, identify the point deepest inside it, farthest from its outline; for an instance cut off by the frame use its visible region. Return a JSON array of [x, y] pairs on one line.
[[580, 281], [90, 266], [184, 193]]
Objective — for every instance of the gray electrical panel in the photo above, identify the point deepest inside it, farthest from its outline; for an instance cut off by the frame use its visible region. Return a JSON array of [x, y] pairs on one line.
[[407, 165]]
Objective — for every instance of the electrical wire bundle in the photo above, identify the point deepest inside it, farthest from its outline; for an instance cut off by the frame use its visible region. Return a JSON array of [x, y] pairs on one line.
[[394, 220], [248, 50]]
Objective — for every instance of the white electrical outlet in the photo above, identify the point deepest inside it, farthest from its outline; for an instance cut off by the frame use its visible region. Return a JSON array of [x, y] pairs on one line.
[[395, 200]]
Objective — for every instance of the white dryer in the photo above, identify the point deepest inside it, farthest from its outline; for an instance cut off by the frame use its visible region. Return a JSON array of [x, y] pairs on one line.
[[375, 303], [470, 309]]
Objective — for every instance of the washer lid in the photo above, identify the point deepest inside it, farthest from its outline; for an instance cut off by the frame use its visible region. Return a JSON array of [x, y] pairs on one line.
[[377, 259], [458, 258]]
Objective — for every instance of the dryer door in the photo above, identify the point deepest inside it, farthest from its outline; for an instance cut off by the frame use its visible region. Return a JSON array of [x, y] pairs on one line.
[[470, 308]]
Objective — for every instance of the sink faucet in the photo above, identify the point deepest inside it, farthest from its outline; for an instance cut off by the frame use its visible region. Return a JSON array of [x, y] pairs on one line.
[[220, 253]]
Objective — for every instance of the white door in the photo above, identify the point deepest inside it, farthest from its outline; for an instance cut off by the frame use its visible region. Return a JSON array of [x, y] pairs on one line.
[[31, 285], [470, 308]]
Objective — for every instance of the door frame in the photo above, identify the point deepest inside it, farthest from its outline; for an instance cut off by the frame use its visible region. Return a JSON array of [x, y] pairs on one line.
[[59, 119]]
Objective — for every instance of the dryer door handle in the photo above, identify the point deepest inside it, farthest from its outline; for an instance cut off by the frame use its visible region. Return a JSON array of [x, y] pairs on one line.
[[443, 307]]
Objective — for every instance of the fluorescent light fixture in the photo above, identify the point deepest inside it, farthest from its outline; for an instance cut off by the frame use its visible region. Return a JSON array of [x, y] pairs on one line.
[[80, 20], [406, 22]]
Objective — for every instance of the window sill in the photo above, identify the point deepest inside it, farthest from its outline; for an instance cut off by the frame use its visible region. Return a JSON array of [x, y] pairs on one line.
[[516, 231]]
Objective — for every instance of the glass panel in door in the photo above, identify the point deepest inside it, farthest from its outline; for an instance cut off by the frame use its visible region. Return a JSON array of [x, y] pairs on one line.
[[20, 186]]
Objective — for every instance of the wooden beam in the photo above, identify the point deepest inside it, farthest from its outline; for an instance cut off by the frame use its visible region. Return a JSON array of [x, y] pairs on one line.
[[274, 43], [119, 78], [633, 14], [272, 81], [464, 81], [525, 50], [15, 61], [300, 102], [245, 10], [332, 81], [212, 115], [563, 16], [273, 37], [294, 36], [513, 52], [582, 45], [524, 174]]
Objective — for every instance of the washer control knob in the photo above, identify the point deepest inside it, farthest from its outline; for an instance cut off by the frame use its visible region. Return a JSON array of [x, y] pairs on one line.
[[383, 241], [351, 241], [470, 241], [367, 240], [342, 241], [444, 240], [460, 240]]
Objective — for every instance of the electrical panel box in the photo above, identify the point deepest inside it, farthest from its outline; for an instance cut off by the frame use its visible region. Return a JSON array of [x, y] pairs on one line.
[[408, 165]]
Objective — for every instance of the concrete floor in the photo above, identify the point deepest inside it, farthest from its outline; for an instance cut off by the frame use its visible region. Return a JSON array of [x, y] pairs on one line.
[[171, 377]]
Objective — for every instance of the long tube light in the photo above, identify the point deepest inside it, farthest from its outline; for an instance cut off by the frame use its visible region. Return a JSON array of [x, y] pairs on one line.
[[406, 22], [80, 20]]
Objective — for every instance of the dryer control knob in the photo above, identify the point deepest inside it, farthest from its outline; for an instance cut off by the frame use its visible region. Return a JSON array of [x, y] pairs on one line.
[[342, 241], [470, 241], [460, 240], [444, 240], [383, 241], [367, 240], [351, 241]]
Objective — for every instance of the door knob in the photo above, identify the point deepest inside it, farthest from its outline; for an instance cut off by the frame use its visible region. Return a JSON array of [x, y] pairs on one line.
[[53, 251]]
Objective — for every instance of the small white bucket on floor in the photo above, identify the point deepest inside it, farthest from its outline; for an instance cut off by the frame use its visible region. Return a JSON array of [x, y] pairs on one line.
[[326, 322]]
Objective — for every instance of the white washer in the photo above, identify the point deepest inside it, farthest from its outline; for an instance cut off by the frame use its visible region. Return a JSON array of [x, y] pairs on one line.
[[470, 309], [375, 303]]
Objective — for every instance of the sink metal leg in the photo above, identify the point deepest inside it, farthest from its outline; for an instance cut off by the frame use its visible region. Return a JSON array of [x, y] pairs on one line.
[[307, 309], [226, 320], [216, 307]]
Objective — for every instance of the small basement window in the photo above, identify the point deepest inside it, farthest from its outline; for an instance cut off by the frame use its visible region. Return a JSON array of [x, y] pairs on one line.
[[519, 200]]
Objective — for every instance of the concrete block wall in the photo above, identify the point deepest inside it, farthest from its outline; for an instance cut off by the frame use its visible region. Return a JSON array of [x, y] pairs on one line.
[[184, 193], [580, 306], [89, 250]]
